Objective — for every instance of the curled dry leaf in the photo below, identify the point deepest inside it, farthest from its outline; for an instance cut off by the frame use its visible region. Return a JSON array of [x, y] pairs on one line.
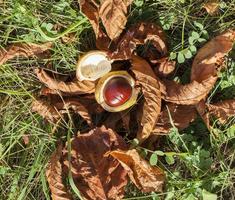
[[54, 176], [75, 87], [212, 7], [96, 176], [210, 57], [76, 106], [181, 116], [138, 35], [189, 94], [152, 96], [147, 178], [203, 112], [222, 110], [204, 71], [165, 67], [54, 111], [23, 49], [47, 111], [91, 9], [113, 15]]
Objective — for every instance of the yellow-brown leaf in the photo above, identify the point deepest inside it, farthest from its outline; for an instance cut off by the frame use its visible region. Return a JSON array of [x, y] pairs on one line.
[[97, 176], [74, 87], [147, 178], [54, 176], [113, 15], [23, 49], [152, 96]]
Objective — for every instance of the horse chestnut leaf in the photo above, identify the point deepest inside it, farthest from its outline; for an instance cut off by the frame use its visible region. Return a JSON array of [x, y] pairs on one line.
[[117, 91]]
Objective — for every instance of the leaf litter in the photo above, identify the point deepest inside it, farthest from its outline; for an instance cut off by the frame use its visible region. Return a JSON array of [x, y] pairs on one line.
[[101, 162]]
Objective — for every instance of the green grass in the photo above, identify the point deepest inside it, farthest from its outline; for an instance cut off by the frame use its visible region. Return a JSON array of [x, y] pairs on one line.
[[201, 162]]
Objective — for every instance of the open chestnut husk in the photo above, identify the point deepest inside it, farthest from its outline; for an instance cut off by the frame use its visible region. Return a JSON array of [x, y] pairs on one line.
[[116, 91], [93, 65]]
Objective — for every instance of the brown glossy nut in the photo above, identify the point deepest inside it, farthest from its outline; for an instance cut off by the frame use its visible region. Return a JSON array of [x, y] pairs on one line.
[[116, 91]]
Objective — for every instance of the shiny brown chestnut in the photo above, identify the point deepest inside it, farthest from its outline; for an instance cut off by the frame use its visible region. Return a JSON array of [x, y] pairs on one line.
[[116, 91]]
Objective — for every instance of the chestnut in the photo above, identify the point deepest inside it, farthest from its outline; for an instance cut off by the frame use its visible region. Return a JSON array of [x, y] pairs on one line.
[[116, 91]]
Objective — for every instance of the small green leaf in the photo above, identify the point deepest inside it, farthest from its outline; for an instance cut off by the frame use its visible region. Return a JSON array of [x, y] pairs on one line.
[[153, 159], [208, 196], [191, 40], [205, 34], [188, 54], [201, 40], [193, 49], [159, 153], [172, 55], [180, 58], [170, 160], [199, 25], [195, 35]]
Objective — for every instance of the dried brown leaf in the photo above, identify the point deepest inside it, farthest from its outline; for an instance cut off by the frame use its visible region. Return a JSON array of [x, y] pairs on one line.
[[91, 9], [75, 87], [145, 177], [204, 72], [113, 15], [165, 67], [46, 110], [54, 110], [23, 49], [209, 58], [212, 7], [54, 176], [181, 116], [189, 94], [222, 110], [96, 176], [152, 96], [203, 112], [76, 106], [138, 35]]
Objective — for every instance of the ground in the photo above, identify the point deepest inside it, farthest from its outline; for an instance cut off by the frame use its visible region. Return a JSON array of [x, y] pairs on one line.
[[200, 164]]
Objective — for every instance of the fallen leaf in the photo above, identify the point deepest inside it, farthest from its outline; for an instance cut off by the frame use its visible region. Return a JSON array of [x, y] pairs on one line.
[[75, 87], [209, 58], [212, 7], [54, 110], [204, 72], [152, 96], [181, 116], [113, 15], [165, 67], [23, 49], [222, 110], [47, 111], [76, 106], [91, 9], [96, 176], [147, 178], [54, 176], [189, 94], [138, 35]]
